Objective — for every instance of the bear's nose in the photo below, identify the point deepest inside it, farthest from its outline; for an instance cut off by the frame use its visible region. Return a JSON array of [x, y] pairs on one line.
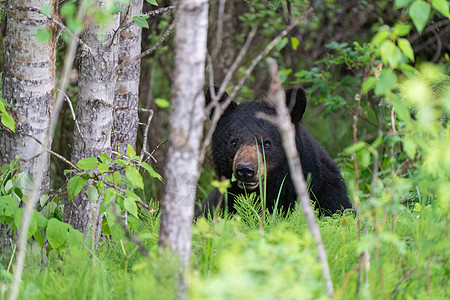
[[245, 171]]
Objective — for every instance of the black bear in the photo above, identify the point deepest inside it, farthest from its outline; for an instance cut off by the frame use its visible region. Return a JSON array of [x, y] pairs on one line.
[[241, 130]]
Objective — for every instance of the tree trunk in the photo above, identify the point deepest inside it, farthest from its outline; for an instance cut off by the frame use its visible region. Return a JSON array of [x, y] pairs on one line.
[[125, 116], [187, 116], [28, 82], [96, 84]]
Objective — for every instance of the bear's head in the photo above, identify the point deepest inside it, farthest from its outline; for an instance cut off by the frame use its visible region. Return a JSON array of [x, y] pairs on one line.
[[247, 146]]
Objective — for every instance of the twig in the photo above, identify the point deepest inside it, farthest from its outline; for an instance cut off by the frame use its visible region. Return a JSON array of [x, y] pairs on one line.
[[73, 113], [219, 28], [11, 260], [144, 143], [122, 21], [146, 52], [26, 218], [152, 13], [98, 260], [276, 96]]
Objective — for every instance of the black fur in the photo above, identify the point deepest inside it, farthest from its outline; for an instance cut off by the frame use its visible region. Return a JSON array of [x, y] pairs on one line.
[[241, 126]]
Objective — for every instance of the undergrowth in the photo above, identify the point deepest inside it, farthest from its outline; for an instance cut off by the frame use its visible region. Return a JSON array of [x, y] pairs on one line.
[[232, 258]]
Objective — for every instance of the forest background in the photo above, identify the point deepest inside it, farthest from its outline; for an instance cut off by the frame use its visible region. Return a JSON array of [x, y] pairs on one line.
[[376, 75]]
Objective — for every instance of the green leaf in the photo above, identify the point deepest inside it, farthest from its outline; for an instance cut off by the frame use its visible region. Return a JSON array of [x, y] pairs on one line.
[[100, 186], [74, 186], [295, 43], [406, 48], [132, 174], [442, 7], [130, 202], [130, 151], [39, 237], [68, 9], [41, 221], [46, 10], [88, 163], [368, 84], [75, 237], [401, 3], [419, 12], [43, 35], [390, 54], [8, 122], [280, 45], [104, 158], [355, 148], [8, 206], [152, 2], [18, 222], [162, 103], [141, 20], [92, 193], [109, 195], [386, 82], [57, 233], [102, 167], [117, 178], [152, 172], [402, 29]]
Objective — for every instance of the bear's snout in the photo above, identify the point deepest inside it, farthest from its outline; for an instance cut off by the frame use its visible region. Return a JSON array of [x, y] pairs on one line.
[[247, 167], [245, 171]]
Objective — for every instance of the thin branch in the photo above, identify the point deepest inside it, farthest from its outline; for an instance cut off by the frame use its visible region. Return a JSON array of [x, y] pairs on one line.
[[219, 28], [152, 13], [283, 122], [146, 52], [98, 260], [144, 142], [73, 113]]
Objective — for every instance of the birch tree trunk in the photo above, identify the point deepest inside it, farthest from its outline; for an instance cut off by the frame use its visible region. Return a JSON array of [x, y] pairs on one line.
[[187, 116], [96, 84], [125, 118], [28, 82]]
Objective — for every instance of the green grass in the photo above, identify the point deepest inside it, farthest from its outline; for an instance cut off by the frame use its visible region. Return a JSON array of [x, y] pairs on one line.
[[233, 259]]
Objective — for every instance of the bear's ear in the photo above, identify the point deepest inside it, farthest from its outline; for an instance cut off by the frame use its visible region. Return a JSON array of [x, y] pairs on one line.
[[296, 103], [208, 99]]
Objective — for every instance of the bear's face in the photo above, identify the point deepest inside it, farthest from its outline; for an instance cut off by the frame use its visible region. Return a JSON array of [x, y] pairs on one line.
[[247, 146]]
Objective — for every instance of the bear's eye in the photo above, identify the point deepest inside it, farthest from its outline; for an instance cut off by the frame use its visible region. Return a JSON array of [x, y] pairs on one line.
[[267, 144], [234, 143]]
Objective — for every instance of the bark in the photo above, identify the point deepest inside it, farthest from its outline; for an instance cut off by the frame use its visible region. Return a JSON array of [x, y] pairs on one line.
[[187, 116], [125, 116], [28, 83], [96, 85]]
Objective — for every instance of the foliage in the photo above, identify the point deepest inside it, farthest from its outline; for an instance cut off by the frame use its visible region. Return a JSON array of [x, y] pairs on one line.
[[397, 169], [5, 118], [104, 176], [45, 225]]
